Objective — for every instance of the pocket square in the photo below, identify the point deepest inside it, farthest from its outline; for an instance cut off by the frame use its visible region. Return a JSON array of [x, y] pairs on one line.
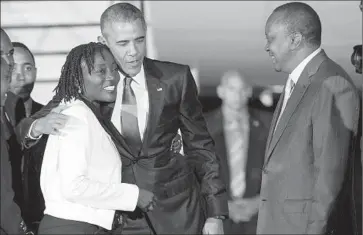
[[159, 89]]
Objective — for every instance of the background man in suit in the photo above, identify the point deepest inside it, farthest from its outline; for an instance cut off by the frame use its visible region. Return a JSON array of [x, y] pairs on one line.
[[22, 84], [310, 138], [24, 76], [154, 100], [239, 128], [10, 220]]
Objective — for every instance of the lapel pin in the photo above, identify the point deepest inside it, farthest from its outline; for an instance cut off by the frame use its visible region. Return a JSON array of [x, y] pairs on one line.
[[159, 89]]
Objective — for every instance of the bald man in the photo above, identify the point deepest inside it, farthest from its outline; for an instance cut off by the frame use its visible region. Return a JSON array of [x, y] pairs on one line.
[[313, 128]]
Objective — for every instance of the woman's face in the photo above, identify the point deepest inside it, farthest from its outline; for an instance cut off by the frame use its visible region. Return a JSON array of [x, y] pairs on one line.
[[101, 84]]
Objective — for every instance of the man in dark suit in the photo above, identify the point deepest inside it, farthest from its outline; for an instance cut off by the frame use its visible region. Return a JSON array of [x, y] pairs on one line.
[[155, 99], [21, 86], [10, 219], [311, 135], [246, 158]]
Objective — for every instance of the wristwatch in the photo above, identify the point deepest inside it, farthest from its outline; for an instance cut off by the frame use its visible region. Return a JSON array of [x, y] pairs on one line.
[[221, 217]]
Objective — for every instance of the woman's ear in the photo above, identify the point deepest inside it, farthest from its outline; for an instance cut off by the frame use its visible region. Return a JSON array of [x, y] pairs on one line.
[[102, 40]]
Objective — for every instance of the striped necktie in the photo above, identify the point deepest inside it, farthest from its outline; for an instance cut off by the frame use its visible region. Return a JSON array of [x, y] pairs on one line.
[[290, 84], [237, 133], [129, 121]]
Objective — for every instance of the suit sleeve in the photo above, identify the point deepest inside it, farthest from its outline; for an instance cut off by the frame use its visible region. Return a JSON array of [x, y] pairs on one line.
[[10, 211], [23, 128], [335, 118], [199, 148], [76, 185]]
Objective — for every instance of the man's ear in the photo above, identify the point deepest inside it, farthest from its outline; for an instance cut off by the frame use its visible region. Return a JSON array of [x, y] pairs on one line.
[[296, 40], [102, 40], [220, 92], [35, 72]]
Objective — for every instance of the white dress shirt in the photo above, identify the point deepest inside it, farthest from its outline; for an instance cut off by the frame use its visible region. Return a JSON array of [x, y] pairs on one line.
[[138, 84], [295, 74], [293, 79], [81, 171]]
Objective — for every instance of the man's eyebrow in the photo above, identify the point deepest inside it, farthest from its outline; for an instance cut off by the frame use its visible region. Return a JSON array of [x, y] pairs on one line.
[[28, 63], [122, 41], [11, 52]]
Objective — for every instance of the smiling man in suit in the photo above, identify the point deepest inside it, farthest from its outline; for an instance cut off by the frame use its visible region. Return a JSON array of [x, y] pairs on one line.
[[312, 131], [154, 100]]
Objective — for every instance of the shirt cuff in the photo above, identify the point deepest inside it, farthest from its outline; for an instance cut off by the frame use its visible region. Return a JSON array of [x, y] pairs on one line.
[[133, 191], [30, 130]]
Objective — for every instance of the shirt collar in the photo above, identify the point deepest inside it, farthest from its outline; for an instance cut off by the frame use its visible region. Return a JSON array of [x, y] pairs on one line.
[[294, 76], [139, 78]]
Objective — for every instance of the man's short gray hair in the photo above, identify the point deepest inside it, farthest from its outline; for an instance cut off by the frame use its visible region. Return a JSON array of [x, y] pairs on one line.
[[121, 12], [300, 18]]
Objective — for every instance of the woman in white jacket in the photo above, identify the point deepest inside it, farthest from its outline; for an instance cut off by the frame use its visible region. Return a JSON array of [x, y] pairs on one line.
[[81, 170]]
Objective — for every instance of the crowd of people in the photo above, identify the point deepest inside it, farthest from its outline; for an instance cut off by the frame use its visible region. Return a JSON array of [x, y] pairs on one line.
[[103, 156]]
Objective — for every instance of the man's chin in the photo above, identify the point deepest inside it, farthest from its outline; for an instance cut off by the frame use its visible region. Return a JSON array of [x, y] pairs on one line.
[[277, 68], [133, 71], [24, 97]]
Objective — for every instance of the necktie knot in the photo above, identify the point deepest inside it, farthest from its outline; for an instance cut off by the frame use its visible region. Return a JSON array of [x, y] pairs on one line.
[[127, 81], [289, 86]]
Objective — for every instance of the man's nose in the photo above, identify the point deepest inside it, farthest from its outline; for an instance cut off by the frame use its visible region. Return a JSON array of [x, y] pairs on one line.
[[267, 47], [132, 49]]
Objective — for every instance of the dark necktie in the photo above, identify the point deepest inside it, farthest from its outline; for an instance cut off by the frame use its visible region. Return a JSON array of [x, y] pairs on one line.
[[129, 122]]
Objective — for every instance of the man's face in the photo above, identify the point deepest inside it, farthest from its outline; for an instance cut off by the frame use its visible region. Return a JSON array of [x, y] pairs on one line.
[[277, 45], [7, 49], [24, 73], [126, 41], [235, 92], [5, 80]]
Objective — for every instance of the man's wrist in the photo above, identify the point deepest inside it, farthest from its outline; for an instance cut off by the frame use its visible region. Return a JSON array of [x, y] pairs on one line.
[[31, 134], [220, 217]]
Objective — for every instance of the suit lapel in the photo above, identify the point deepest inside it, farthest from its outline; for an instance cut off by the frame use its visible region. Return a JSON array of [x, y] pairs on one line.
[[273, 122], [106, 111], [156, 90], [293, 102]]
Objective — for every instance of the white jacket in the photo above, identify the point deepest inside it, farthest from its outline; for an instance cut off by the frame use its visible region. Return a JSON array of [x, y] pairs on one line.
[[81, 171]]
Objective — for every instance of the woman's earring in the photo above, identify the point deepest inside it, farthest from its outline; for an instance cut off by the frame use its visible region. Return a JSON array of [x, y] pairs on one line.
[[79, 90]]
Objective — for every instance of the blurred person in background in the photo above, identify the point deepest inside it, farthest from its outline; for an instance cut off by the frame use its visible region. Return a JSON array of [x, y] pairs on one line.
[[22, 84], [24, 76], [239, 128], [10, 219], [311, 135]]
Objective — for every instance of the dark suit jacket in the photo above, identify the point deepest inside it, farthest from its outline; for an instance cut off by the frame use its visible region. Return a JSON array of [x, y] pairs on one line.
[[26, 185], [260, 120], [178, 181], [10, 211], [307, 155], [33, 198], [14, 109]]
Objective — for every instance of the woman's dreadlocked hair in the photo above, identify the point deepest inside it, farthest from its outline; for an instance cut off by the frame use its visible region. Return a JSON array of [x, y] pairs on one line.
[[70, 83]]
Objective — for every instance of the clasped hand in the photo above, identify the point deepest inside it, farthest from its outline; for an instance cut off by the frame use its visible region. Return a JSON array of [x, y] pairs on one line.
[[242, 210]]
